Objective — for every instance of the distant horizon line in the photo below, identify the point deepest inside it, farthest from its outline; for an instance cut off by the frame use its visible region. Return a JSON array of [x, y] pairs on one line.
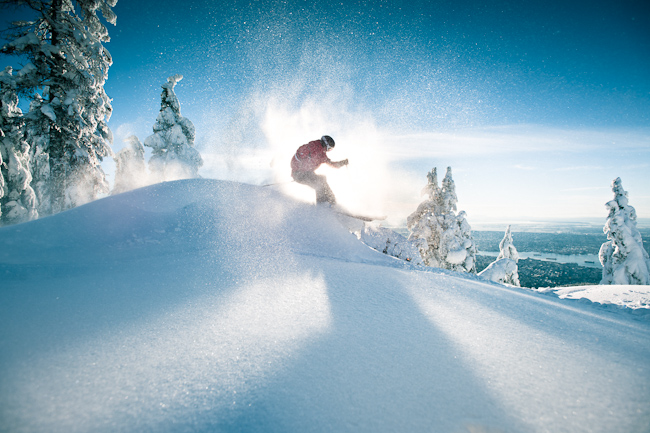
[[526, 224]]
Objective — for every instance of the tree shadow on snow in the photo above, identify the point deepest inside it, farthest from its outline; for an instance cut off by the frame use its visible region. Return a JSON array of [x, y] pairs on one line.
[[381, 366]]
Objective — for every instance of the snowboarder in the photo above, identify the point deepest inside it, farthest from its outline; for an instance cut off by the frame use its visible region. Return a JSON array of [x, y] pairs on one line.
[[307, 159]]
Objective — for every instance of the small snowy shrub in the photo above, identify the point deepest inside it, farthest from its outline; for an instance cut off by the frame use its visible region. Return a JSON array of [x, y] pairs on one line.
[[391, 243], [504, 269]]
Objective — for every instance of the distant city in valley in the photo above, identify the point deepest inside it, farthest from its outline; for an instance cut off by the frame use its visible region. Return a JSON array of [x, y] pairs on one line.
[[563, 255], [541, 273]]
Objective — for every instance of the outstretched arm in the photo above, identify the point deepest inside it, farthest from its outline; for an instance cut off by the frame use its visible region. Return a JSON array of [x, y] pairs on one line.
[[339, 164]]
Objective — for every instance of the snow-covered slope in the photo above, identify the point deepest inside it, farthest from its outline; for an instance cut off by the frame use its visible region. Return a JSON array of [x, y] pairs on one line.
[[618, 296], [206, 306]]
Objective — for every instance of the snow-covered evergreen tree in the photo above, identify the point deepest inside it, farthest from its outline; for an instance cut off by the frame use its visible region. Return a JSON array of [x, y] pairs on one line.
[[443, 238], [504, 269], [38, 127], [174, 155], [507, 248], [17, 198], [130, 172], [65, 74], [623, 257], [448, 193], [426, 231], [467, 243]]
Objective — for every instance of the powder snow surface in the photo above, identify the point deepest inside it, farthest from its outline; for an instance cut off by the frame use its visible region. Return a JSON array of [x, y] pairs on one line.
[[206, 306], [635, 297]]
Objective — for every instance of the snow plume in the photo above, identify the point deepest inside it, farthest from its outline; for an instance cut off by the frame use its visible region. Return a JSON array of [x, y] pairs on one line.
[[258, 146], [362, 186], [130, 170], [293, 107]]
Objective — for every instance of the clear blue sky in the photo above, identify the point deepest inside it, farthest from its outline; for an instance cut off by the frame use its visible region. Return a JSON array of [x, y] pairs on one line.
[[567, 63], [536, 106]]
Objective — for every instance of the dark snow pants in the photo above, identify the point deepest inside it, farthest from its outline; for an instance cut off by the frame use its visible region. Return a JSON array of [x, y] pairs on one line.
[[323, 192]]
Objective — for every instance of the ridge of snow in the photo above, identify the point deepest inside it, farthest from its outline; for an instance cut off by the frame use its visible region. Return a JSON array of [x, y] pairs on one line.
[[211, 306], [632, 298]]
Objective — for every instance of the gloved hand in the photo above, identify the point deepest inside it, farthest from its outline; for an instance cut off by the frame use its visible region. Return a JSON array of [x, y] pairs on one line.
[[343, 163]]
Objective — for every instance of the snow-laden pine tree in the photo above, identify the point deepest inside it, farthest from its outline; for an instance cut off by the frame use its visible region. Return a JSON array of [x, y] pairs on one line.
[[466, 241], [174, 155], [426, 231], [507, 248], [65, 74], [504, 269], [448, 193], [17, 198], [38, 135], [443, 238], [623, 257], [130, 171]]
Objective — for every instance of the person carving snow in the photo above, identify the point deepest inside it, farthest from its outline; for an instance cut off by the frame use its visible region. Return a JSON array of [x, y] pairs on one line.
[[307, 159]]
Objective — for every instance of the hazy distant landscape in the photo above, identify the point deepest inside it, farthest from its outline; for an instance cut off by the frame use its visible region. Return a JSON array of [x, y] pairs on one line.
[[560, 241], [539, 273], [545, 273]]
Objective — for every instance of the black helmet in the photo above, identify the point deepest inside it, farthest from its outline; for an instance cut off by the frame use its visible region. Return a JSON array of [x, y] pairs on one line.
[[327, 142]]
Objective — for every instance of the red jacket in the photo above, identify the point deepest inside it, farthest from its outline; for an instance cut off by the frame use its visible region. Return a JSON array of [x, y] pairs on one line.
[[309, 157]]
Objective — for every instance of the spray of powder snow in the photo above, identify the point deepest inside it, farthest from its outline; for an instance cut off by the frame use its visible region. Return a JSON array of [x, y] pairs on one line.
[[370, 183], [257, 143]]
